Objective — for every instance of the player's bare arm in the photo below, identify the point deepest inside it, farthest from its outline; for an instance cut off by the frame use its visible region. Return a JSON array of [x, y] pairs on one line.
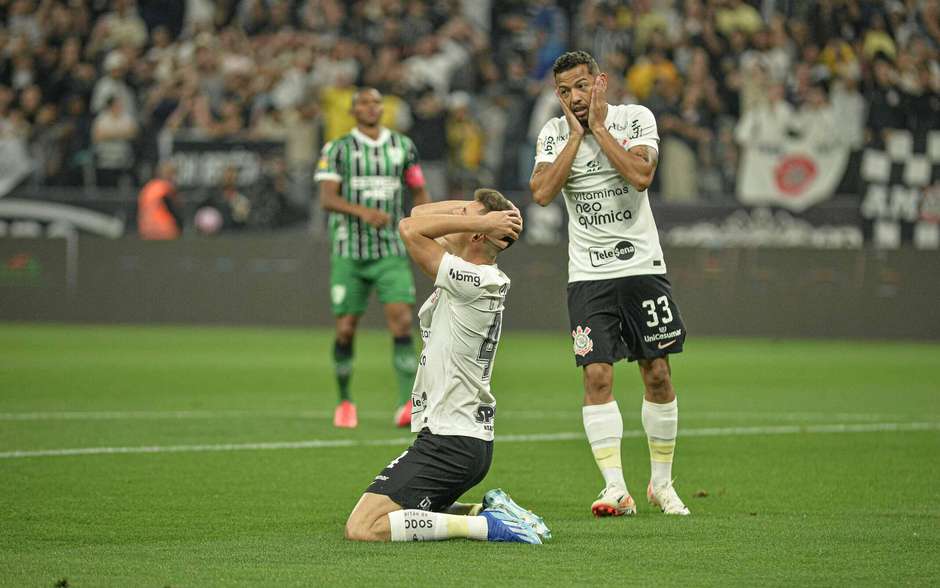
[[331, 200], [420, 233], [638, 164], [548, 178], [440, 207]]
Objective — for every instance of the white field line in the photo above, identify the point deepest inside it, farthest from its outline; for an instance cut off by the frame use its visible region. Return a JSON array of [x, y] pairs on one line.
[[533, 438], [565, 415]]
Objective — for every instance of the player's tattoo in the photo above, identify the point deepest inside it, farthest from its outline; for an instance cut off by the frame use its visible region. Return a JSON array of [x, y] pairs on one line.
[[539, 168], [650, 155]]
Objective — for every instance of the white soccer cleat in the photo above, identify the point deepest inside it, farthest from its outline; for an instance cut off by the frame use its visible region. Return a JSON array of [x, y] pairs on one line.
[[613, 501], [665, 498]]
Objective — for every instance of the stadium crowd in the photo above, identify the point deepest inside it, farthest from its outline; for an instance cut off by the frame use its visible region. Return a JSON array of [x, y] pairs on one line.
[[93, 89]]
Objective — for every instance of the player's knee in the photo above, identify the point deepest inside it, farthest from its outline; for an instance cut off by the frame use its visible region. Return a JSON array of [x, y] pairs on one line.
[[598, 383], [345, 331], [399, 322], [401, 326]]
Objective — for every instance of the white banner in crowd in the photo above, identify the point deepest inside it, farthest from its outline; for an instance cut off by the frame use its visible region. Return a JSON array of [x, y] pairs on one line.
[[14, 164], [792, 173]]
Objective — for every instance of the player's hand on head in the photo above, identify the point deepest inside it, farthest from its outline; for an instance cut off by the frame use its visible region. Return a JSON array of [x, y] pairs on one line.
[[597, 111], [376, 218], [575, 127], [518, 212], [503, 223]]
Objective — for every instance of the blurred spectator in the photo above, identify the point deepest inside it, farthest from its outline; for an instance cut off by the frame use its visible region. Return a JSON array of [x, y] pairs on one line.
[[15, 164], [877, 40], [683, 118], [465, 142], [120, 27], [300, 128], [648, 70], [648, 24], [768, 121], [601, 32], [114, 85], [23, 20], [430, 137], [815, 119], [884, 100], [112, 135], [551, 35], [850, 110], [436, 57], [337, 66], [230, 201], [9, 116], [294, 85], [78, 165], [737, 16], [335, 101], [159, 210]]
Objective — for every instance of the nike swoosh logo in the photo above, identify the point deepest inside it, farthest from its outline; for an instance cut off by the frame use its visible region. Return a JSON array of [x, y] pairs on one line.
[[665, 345]]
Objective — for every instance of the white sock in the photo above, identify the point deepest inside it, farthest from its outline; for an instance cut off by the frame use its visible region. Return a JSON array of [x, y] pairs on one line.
[[661, 423], [603, 426], [421, 525]]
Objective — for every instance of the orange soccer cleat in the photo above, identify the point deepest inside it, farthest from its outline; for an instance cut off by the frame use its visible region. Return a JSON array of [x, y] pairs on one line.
[[345, 415]]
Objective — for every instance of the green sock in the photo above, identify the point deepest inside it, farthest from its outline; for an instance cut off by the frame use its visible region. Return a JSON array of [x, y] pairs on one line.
[[406, 366], [342, 364]]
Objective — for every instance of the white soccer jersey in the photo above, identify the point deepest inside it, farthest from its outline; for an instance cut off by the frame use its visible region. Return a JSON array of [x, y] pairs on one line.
[[611, 231], [460, 326]]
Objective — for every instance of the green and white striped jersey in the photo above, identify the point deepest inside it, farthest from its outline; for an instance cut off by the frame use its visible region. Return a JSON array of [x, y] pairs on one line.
[[371, 173]]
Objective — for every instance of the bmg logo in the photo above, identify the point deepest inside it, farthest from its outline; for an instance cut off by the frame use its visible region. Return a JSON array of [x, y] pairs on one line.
[[462, 276]]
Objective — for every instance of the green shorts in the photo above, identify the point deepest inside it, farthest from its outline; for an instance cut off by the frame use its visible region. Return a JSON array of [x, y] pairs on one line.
[[351, 282]]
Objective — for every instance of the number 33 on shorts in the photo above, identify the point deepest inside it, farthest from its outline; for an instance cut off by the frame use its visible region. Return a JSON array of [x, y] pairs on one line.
[[658, 311]]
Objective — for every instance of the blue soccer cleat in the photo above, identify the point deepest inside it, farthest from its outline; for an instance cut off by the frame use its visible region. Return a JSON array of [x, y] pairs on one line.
[[497, 500], [504, 527]]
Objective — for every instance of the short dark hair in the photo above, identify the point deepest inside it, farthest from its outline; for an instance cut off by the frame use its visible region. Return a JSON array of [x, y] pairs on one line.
[[493, 200], [360, 92], [573, 59]]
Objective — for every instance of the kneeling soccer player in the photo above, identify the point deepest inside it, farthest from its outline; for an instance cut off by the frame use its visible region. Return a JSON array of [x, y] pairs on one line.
[[413, 499]]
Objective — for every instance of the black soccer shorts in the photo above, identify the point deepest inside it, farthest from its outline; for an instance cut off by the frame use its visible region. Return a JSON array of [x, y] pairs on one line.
[[633, 317], [435, 471]]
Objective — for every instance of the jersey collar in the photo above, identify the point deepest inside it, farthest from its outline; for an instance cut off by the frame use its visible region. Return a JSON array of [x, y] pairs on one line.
[[383, 137]]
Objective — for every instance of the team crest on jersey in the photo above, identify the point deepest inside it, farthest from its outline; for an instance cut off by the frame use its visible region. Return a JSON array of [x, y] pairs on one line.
[[583, 344]]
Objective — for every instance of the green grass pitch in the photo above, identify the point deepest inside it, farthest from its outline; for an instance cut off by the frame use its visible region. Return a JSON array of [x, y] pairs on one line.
[[819, 462]]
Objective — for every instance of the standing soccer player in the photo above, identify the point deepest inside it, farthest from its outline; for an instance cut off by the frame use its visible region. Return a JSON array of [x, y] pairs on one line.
[[413, 498], [362, 176], [602, 157]]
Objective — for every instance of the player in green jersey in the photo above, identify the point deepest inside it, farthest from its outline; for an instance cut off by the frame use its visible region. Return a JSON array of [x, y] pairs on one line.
[[362, 176]]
